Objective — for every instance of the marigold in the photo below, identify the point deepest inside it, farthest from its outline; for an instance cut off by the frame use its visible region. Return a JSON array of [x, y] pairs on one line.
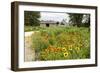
[[51, 49], [58, 49], [55, 50]]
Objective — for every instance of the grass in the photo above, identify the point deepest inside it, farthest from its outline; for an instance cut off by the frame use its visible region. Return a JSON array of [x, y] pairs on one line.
[[32, 28], [61, 43]]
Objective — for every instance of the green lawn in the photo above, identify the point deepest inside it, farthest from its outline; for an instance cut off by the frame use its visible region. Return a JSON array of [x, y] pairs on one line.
[[60, 43]]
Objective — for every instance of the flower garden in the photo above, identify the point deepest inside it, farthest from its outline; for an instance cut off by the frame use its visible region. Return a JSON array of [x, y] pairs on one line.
[[61, 43]]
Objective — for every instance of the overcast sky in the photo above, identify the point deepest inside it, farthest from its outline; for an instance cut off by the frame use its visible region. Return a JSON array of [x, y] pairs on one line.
[[53, 16]]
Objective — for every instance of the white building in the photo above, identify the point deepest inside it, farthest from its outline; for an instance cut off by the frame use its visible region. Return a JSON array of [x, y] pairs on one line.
[[50, 23]]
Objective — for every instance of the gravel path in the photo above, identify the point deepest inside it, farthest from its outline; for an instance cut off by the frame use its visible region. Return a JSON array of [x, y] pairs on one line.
[[29, 52]]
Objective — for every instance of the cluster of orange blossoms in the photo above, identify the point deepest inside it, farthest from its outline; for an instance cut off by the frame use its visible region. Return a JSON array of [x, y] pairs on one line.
[[53, 49]]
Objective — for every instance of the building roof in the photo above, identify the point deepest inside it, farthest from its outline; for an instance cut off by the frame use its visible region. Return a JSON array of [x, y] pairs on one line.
[[48, 22]]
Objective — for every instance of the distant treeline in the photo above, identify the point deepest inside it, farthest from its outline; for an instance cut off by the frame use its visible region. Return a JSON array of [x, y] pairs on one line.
[[79, 20], [31, 18]]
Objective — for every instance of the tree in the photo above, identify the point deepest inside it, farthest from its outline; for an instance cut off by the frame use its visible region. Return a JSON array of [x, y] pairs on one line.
[[31, 18], [86, 19], [75, 19]]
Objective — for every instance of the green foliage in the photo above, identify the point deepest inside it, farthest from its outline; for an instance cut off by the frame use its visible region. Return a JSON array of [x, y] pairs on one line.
[[60, 43], [32, 28], [39, 42], [75, 19], [79, 20], [31, 18]]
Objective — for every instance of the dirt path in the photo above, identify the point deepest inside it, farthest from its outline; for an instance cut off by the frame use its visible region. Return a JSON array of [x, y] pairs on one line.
[[28, 33], [29, 52]]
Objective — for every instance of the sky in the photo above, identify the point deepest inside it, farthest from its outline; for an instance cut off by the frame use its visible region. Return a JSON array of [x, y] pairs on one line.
[[53, 16]]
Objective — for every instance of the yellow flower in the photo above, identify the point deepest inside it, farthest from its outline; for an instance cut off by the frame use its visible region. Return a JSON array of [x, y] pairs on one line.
[[66, 54], [64, 49], [46, 50], [77, 48]]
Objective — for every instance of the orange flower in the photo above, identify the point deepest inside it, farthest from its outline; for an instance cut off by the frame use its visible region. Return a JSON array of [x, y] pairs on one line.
[[51, 49], [58, 49]]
